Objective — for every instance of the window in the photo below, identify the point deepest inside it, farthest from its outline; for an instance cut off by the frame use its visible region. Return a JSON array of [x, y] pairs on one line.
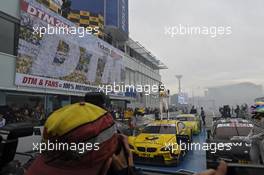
[[8, 34], [127, 77], [159, 130], [185, 118], [24, 107], [243, 131], [225, 132]]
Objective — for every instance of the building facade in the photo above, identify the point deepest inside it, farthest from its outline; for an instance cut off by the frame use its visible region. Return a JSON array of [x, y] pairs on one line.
[[140, 67]]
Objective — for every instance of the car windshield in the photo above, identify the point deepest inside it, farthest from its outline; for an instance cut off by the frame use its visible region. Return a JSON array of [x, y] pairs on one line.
[[159, 130], [229, 132], [243, 131], [185, 118]]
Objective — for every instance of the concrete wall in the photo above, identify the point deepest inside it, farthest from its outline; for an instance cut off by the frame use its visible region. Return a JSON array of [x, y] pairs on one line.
[[10, 7]]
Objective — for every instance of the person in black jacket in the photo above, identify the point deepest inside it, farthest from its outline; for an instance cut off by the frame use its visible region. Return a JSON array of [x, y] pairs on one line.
[[193, 110], [203, 115]]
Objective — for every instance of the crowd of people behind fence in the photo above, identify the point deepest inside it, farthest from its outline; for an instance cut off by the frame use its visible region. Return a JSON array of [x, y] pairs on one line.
[[14, 114], [240, 111], [36, 114]]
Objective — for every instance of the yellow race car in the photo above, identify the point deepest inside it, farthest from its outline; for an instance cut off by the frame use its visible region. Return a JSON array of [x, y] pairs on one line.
[[128, 114], [190, 120], [159, 142]]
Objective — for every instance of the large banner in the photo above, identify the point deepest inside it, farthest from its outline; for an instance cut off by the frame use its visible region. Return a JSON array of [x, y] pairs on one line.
[[60, 60]]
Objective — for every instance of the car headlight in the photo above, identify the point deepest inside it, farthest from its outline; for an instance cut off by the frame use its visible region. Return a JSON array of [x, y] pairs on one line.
[[131, 147]]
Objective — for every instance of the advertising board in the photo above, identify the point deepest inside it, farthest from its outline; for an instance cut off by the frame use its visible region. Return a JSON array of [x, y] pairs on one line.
[[63, 61]]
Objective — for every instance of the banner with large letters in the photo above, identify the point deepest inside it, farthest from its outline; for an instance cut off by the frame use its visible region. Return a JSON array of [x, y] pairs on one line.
[[58, 60]]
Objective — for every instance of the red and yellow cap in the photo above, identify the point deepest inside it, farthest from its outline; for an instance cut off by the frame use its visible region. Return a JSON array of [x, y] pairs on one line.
[[80, 122]]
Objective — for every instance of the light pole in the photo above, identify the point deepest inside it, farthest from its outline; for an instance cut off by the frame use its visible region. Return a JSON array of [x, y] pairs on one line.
[[179, 77]]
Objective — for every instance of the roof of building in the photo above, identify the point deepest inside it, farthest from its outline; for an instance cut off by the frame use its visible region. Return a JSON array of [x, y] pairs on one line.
[[135, 45]]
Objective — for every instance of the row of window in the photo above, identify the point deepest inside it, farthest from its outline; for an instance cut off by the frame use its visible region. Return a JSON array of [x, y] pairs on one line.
[[131, 52], [133, 78]]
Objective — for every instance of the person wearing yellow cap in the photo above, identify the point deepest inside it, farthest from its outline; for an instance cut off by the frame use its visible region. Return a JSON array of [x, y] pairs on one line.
[[83, 123]]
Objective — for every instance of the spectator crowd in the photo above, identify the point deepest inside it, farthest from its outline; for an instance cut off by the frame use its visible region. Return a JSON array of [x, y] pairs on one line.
[[15, 114]]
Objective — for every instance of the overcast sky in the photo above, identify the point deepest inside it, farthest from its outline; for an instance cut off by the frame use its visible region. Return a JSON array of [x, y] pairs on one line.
[[203, 61]]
